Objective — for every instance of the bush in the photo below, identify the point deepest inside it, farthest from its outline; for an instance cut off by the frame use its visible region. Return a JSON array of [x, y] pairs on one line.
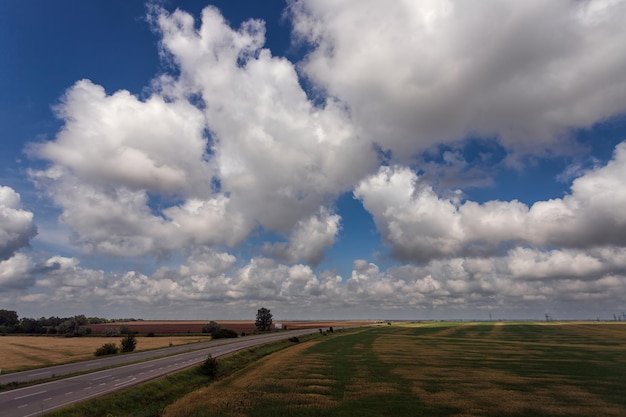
[[211, 327], [150, 334], [294, 339], [210, 366], [110, 332], [129, 342], [107, 349], [224, 334]]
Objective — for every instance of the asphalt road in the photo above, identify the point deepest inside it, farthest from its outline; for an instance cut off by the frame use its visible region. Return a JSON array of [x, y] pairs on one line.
[[48, 396]]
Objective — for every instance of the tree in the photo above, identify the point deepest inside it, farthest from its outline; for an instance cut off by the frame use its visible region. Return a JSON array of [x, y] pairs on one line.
[[74, 327], [28, 325], [263, 319], [211, 327], [210, 366], [8, 318], [111, 332], [129, 342]]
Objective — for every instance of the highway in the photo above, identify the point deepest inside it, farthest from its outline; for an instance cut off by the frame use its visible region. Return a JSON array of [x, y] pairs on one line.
[[41, 398]]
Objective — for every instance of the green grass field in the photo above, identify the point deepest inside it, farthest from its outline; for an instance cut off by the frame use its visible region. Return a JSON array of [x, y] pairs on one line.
[[480, 369]]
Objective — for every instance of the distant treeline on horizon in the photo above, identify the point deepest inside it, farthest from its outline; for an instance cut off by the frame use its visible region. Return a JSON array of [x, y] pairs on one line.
[[10, 322]]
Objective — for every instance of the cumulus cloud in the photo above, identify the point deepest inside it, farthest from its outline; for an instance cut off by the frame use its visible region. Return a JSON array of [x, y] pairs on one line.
[[16, 224], [117, 140], [278, 155], [15, 272], [230, 144], [416, 74], [309, 240], [420, 225], [524, 281]]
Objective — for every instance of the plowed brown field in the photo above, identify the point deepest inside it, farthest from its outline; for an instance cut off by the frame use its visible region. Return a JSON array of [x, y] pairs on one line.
[[195, 326]]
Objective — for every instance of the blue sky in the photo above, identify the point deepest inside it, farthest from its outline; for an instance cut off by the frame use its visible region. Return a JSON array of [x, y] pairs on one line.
[[345, 159]]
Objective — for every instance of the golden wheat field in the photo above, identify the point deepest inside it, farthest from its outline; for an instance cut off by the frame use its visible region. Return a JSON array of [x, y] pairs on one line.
[[27, 352]]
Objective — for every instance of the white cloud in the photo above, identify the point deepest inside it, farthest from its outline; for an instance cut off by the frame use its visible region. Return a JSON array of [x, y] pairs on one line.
[[409, 214], [137, 177], [279, 156], [120, 168], [559, 264], [117, 140], [213, 284], [15, 272], [16, 224], [416, 74], [309, 239], [207, 262], [232, 144], [420, 225]]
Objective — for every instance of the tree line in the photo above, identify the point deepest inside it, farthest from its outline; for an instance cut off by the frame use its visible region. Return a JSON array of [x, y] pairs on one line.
[[78, 325]]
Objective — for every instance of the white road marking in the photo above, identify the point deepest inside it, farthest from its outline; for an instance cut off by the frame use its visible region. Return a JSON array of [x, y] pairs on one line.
[[126, 382], [29, 395], [39, 373]]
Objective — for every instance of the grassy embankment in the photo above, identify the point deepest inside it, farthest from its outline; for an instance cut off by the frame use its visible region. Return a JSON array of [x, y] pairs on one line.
[[432, 370]]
